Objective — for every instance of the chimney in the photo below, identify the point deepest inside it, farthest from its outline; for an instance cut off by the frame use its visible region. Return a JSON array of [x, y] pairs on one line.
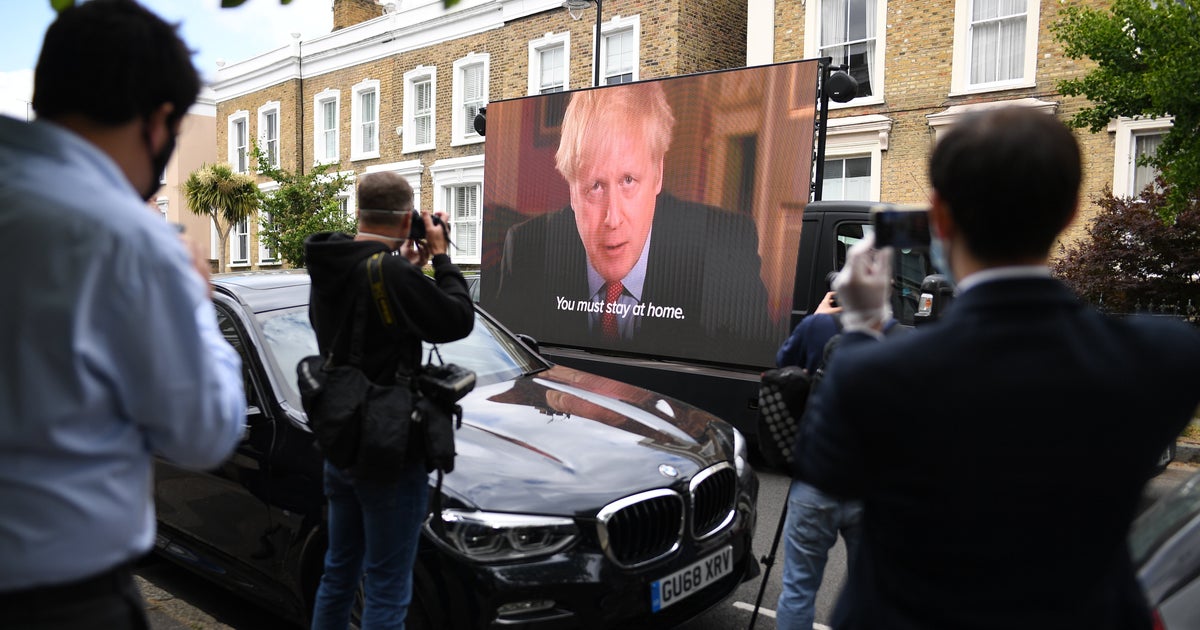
[[351, 12]]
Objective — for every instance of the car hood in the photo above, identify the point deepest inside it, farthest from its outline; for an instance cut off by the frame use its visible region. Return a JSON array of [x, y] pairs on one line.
[[567, 442]]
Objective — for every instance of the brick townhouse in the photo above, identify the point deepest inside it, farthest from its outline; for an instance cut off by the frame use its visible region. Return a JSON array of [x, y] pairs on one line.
[[395, 86], [921, 64]]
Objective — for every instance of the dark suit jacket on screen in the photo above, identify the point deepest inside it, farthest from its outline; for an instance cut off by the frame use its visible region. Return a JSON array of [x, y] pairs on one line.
[[702, 260], [1000, 455]]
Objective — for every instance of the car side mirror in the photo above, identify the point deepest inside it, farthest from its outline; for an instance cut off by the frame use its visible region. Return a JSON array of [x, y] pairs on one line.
[[529, 341], [937, 292]]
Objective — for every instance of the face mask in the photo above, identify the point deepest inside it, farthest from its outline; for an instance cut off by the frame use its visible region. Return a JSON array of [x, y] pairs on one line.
[[937, 255], [158, 163]]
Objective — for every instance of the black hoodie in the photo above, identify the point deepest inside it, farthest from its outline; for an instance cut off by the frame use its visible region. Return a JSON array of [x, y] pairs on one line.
[[436, 311]]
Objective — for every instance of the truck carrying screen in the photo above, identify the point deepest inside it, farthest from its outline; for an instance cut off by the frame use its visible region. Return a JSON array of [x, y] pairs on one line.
[[658, 218]]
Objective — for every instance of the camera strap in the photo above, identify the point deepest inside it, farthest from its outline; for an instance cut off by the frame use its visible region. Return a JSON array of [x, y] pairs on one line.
[[378, 292], [379, 296]]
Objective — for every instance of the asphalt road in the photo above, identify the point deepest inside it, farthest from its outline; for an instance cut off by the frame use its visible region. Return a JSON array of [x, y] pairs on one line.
[[178, 600]]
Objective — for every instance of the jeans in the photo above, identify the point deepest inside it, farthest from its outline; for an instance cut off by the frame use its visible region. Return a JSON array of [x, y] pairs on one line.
[[374, 529], [810, 531]]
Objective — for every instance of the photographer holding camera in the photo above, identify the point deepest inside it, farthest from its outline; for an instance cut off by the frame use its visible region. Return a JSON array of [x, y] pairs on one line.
[[375, 526]]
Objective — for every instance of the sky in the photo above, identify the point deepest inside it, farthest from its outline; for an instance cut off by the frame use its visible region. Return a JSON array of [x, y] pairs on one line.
[[212, 32]]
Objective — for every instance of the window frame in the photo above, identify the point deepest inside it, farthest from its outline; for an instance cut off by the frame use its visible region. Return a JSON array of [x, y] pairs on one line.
[[265, 129], [458, 123], [960, 69], [410, 170], [549, 41], [266, 256], [812, 48], [618, 26], [453, 172], [1125, 132], [320, 144], [236, 232], [860, 136], [233, 150], [844, 159], [349, 193], [943, 121], [357, 152], [412, 78]]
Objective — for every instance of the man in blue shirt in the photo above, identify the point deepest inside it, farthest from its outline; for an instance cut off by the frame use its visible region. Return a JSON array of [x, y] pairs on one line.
[[111, 352], [814, 519]]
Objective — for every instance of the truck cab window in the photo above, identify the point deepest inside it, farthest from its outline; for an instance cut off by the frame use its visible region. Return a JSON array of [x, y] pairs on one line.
[[910, 266]]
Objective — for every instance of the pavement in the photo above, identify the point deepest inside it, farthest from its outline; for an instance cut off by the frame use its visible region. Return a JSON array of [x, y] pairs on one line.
[[1187, 451], [165, 612]]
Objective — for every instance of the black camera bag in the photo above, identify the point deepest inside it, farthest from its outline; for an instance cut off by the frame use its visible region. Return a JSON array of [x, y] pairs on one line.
[[374, 430]]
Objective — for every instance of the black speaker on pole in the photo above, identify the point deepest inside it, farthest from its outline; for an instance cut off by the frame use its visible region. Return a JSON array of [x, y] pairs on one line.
[[480, 122], [841, 87]]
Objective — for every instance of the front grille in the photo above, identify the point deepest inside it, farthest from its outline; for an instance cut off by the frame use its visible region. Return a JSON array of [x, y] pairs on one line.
[[641, 528], [714, 497], [649, 525]]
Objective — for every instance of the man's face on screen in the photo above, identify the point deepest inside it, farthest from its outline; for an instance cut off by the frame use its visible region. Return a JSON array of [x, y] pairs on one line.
[[613, 196]]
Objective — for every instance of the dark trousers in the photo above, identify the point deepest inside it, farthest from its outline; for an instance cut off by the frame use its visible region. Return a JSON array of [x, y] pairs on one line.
[[110, 600]]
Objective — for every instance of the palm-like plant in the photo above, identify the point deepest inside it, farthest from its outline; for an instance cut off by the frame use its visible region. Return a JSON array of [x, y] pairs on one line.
[[225, 196]]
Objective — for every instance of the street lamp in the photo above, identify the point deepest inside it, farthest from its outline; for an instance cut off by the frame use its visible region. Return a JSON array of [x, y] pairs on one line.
[[576, 9]]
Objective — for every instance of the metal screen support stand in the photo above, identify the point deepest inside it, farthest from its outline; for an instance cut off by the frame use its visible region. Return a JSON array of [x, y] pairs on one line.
[[768, 561]]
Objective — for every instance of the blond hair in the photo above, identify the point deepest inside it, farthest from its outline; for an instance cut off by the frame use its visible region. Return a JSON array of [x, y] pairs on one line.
[[640, 107]]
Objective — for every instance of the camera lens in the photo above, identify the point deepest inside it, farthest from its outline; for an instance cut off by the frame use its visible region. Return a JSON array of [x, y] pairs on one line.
[[416, 231]]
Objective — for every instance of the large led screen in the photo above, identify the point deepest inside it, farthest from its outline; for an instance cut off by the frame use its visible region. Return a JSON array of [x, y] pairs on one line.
[[657, 218]]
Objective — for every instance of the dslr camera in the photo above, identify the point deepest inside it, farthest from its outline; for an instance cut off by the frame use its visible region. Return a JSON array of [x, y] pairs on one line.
[[416, 232], [445, 383]]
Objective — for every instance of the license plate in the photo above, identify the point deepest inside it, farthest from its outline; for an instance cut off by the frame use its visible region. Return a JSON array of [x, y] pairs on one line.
[[690, 579]]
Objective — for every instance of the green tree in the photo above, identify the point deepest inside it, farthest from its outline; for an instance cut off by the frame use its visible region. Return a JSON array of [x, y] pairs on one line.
[[226, 197], [1133, 260], [1145, 53], [303, 204]]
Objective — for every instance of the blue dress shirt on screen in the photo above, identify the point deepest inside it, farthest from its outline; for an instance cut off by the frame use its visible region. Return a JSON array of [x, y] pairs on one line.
[[110, 353]]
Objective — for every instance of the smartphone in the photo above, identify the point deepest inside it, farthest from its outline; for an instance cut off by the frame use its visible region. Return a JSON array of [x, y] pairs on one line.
[[901, 226]]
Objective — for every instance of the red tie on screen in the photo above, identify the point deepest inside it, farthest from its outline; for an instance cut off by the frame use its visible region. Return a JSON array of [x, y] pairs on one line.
[[608, 321]]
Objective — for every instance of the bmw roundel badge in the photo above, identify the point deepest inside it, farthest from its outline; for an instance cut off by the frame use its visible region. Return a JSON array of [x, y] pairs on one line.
[[668, 470]]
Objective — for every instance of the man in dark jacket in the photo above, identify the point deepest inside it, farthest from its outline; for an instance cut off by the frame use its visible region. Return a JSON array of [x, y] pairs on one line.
[[374, 526], [955, 436]]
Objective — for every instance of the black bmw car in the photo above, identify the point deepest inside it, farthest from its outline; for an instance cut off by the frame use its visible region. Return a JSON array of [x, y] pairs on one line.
[[575, 502]]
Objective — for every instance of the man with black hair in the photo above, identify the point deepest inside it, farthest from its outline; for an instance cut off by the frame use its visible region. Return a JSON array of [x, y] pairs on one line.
[[112, 352], [374, 526], [953, 436]]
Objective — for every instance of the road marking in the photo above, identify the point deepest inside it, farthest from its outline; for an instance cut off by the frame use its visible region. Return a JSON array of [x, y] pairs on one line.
[[767, 612]]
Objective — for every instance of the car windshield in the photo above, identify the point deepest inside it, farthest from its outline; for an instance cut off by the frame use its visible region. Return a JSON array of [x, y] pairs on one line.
[[490, 352]]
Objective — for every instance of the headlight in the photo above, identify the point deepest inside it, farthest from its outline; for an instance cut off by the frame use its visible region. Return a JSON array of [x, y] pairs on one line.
[[499, 537], [741, 454]]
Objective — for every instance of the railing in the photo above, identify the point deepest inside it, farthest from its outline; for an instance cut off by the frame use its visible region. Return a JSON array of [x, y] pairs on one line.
[[1188, 311]]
